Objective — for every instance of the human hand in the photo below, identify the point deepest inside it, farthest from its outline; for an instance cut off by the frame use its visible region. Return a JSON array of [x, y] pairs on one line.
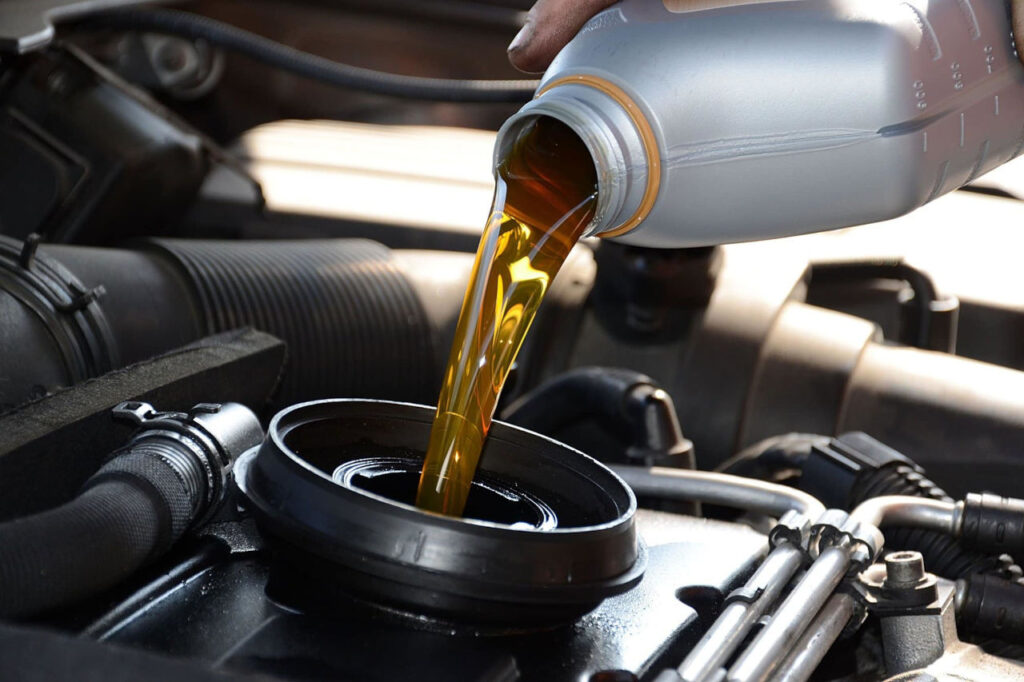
[[1018, 27], [549, 26]]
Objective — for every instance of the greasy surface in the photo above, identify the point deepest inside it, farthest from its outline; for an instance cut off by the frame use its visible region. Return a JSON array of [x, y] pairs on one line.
[[221, 614], [544, 199]]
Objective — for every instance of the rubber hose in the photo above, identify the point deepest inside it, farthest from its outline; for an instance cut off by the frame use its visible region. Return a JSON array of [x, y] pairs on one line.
[[196, 27], [942, 554], [990, 606], [895, 269], [357, 322], [774, 458], [353, 323], [576, 394], [628, 402], [127, 514]]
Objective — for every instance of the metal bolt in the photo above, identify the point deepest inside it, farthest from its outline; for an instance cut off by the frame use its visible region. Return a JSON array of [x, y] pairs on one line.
[[904, 568]]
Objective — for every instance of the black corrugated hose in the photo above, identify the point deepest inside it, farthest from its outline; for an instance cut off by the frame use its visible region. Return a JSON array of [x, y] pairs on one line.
[[844, 471], [943, 555], [196, 27], [353, 322], [852, 468]]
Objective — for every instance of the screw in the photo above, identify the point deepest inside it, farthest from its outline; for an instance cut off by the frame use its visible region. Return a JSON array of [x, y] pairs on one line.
[[904, 568]]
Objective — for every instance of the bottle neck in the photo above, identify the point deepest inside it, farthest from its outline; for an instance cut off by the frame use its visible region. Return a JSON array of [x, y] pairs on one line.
[[619, 150]]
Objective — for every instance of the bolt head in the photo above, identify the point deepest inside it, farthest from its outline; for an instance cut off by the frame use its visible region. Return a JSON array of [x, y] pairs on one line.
[[904, 568]]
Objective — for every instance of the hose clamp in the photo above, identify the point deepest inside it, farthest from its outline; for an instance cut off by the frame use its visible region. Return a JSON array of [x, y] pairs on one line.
[[793, 528], [213, 434], [835, 528]]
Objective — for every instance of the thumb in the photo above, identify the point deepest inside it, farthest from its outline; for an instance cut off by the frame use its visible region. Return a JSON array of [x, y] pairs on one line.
[[549, 26], [1018, 27]]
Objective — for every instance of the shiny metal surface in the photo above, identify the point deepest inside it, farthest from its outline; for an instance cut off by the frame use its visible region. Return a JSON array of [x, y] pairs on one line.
[[810, 649], [874, 124], [793, 617], [714, 488], [738, 616], [914, 512]]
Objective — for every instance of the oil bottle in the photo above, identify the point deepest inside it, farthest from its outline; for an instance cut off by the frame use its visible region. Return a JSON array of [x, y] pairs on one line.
[[753, 121], [669, 126]]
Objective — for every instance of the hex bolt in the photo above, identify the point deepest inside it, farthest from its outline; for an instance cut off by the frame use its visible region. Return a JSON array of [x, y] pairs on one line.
[[904, 568]]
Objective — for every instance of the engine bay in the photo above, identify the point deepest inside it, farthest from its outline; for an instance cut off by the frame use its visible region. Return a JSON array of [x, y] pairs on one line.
[[228, 287]]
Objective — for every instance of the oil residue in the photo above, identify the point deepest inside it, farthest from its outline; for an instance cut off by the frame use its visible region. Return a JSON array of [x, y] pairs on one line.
[[545, 197]]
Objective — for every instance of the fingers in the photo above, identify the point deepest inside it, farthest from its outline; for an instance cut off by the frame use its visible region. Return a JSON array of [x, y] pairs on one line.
[[1018, 27], [549, 26]]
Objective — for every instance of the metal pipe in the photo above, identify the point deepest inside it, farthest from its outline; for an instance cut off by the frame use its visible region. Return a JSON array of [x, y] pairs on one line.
[[914, 512], [738, 617], [791, 619], [714, 488], [811, 648]]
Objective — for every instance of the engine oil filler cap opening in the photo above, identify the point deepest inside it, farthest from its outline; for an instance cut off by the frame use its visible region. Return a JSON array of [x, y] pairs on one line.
[[549, 532], [490, 499]]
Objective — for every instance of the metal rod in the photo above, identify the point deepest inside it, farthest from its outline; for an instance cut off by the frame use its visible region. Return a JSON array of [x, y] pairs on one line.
[[722, 489], [808, 651], [914, 512], [792, 617], [738, 617]]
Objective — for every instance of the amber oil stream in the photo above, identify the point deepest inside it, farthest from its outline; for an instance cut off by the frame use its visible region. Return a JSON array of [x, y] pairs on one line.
[[545, 197]]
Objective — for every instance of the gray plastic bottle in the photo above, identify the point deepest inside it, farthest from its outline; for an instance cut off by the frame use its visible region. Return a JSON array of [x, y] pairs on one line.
[[770, 119]]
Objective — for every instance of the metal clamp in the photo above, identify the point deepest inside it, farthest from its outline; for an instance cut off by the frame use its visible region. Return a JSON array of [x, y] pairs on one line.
[[836, 527], [793, 528], [214, 435]]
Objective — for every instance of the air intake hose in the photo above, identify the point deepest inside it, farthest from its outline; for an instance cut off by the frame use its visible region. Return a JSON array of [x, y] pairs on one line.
[[356, 324], [353, 324], [168, 478]]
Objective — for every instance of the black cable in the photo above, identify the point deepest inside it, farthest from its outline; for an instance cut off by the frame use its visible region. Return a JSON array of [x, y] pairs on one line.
[[196, 27]]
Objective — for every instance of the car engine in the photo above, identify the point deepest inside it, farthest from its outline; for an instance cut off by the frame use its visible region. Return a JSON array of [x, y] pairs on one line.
[[233, 248]]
